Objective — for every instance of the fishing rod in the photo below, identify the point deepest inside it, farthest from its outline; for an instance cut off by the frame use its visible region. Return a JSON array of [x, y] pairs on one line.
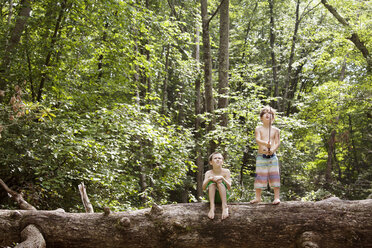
[[270, 128]]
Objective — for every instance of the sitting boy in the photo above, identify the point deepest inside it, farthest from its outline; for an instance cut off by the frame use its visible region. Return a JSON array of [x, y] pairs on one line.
[[217, 182]]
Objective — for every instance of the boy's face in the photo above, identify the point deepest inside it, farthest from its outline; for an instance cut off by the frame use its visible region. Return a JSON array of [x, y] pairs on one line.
[[267, 117], [217, 159]]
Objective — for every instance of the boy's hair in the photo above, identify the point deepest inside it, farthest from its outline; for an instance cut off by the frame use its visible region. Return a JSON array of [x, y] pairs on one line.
[[267, 109], [211, 156]]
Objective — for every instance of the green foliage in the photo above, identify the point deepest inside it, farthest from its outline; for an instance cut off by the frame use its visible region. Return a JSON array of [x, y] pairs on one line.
[[343, 107], [103, 92], [105, 149]]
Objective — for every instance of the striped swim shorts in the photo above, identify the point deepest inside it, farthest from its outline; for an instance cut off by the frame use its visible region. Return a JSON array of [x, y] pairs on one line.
[[267, 170]]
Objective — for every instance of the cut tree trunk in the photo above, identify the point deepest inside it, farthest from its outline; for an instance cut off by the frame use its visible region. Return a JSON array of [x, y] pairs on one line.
[[330, 223]]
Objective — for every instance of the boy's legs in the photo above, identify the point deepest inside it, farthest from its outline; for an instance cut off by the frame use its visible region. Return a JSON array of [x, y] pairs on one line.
[[262, 173], [274, 179], [276, 195], [258, 196], [211, 193], [222, 192]]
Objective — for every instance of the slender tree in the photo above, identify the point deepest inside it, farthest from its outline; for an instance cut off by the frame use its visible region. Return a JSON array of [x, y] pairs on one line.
[[207, 59], [223, 61], [53, 40], [289, 77], [198, 111], [274, 66], [12, 43]]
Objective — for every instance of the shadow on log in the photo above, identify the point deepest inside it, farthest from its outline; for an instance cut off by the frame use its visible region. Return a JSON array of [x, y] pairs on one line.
[[330, 223]]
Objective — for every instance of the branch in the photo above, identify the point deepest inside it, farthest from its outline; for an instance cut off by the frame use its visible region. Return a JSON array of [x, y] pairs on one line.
[[335, 13], [307, 11], [215, 13], [354, 37], [17, 197], [32, 238], [85, 199]]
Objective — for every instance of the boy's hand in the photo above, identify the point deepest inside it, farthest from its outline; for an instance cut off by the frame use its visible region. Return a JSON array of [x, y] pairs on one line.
[[268, 145], [217, 178]]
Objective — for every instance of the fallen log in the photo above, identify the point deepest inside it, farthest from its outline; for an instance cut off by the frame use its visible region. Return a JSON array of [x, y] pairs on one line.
[[332, 223]]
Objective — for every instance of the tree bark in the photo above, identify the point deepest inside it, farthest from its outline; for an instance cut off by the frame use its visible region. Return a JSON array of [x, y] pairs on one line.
[[223, 61], [13, 42], [331, 149], [164, 102], [274, 66], [32, 238], [330, 223], [207, 58], [293, 87], [198, 111], [286, 100]]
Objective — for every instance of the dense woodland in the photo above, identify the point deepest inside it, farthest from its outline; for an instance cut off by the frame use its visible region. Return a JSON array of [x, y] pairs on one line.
[[131, 96]]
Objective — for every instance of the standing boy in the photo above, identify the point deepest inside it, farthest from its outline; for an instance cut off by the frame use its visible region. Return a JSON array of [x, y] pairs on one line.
[[217, 182], [267, 164]]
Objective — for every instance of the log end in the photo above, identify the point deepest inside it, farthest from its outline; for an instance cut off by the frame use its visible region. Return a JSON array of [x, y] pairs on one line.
[[308, 240]]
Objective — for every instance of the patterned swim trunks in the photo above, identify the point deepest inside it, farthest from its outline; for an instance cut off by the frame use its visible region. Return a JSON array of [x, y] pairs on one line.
[[267, 170]]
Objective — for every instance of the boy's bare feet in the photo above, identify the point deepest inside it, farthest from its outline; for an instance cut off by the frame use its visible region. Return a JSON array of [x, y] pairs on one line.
[[225, 213], [276, 202], [211, 214], [255, 201]]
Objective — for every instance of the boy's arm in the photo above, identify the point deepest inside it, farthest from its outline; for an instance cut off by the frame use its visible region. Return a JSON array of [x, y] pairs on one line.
[[227, 179], [206, 180], [276, 141], [258, 138]]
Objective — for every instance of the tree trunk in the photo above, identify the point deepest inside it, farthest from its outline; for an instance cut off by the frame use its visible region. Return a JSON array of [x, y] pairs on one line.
[[29, 66], [331, 145], [343, 69], [207, 58], [286, 100], [15, 35], [13, 42], [331, 223], [198, 107], [223, 61], [246, 37], [52, 43], [275, 82], [164, 100], [101, 57], [293, 87], [353, 146]]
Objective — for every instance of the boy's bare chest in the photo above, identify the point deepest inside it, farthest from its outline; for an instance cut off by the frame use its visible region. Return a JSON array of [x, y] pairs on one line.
[[218, 173], [265, 133]]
